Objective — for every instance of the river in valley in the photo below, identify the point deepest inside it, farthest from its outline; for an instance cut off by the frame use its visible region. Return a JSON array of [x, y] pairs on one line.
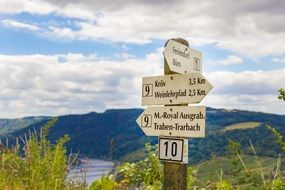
[[90, 170]]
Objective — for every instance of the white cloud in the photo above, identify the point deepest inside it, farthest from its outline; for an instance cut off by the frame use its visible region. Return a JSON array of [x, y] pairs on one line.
[[20, 6], [65, 33], [76, 11], [278, 60], [261, 103], [75, 83], [249, 90], [230, 60], [247, 82], [16, 24], [253, 28], [46, 85]]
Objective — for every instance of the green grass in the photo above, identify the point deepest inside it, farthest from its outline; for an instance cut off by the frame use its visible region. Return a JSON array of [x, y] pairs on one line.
[[243, 125], [221, 167], [134, 156]]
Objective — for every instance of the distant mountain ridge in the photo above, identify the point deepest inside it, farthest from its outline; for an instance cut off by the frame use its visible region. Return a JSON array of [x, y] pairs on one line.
[[93, 134], [8, 126]]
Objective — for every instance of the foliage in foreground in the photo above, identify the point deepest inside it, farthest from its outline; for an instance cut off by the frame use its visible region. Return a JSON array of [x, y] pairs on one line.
[[35, 164], [39, 165], [145, 174], [148, 173], [282, 94]]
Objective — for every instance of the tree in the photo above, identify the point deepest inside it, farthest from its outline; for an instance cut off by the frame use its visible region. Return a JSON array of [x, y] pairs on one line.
[[282, 94]]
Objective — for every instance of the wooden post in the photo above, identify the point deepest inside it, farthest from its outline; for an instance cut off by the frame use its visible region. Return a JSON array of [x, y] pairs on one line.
[[175, 174]]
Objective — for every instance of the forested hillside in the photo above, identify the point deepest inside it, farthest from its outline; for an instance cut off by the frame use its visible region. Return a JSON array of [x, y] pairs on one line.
[[8, 126], [93, 134]]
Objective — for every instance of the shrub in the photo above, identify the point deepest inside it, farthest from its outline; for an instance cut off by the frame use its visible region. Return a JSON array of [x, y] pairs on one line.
[[35, 164]]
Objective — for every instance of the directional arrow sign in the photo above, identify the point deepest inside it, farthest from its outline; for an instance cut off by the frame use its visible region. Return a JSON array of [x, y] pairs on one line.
[[182, 59], [178, 121], [174, 89]]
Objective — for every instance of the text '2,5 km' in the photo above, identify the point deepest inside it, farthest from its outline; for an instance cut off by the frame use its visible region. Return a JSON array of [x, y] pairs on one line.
[[174, 89]]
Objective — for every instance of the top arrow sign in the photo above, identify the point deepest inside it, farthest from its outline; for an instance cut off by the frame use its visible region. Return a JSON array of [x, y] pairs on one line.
[[182, 59]]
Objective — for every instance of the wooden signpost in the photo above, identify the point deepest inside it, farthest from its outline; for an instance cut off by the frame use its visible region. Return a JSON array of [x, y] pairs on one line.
[[176, 121]]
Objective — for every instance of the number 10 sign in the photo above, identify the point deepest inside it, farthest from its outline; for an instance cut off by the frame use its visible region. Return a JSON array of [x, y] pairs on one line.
[[173, 149]]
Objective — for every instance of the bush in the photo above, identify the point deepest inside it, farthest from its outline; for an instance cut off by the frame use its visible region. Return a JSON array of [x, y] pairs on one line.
[[36, 164]]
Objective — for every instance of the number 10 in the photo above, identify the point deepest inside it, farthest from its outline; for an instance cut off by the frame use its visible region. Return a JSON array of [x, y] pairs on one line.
[[173, 149]]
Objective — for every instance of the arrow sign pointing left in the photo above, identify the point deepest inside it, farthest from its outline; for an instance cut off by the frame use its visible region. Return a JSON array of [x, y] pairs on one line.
[[178, 121], [174, 89]]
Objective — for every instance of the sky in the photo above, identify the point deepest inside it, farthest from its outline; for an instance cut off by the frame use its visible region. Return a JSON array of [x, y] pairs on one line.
[[73, 57]]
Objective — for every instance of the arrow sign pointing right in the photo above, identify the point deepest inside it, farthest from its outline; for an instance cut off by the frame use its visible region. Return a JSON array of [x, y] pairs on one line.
[[174, 89], [178, 121], [182, 59]]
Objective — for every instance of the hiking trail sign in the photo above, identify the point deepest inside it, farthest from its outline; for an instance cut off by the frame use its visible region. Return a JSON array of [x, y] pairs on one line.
[[175, 121], [182, 59], [174, 89], [181, 85]]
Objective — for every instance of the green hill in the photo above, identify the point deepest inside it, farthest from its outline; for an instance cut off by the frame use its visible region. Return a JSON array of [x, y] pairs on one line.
[[8, 126], [223, 168], [91, 134]]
